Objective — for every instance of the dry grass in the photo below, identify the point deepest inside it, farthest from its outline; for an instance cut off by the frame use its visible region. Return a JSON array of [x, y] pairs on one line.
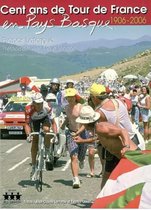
[[140, 64], [93, 73]]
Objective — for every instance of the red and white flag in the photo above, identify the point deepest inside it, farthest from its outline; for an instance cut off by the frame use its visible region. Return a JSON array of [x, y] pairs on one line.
[[129, 185]]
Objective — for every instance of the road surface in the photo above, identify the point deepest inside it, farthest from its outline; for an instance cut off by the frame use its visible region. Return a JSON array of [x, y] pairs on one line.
[[57, 191]]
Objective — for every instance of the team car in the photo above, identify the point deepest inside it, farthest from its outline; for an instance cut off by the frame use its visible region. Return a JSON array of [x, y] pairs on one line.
[[12, 117]]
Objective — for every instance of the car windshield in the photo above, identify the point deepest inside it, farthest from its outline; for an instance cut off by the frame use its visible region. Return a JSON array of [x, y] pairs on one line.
[[15, 107]]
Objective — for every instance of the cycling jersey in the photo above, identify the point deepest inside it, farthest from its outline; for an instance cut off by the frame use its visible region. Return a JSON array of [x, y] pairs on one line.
[[32, 115]]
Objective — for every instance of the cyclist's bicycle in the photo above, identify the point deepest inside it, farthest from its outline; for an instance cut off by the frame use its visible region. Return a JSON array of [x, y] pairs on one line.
[[44, 159]]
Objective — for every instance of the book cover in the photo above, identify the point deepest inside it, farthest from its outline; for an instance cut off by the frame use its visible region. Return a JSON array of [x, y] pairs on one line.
[[76, 40]]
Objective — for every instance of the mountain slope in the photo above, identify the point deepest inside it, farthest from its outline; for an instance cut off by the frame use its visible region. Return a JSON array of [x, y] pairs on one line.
[[85, 45], [19, 62], [137, 65]]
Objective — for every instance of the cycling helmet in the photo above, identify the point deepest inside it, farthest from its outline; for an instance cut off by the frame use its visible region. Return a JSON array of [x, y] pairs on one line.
[[37, 98], [55, 81], [51, 97]]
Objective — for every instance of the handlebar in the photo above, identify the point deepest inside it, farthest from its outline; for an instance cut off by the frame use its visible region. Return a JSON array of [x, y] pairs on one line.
[[53, 135], [33, 133], [45, 134]]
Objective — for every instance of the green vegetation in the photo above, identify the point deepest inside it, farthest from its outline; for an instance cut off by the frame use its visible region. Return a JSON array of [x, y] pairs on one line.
[[18, 62], [148, 146]]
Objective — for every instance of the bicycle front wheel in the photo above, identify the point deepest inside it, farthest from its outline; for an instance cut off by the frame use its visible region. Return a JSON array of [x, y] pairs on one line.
[[40, 181], [50, 163], [40, 164]]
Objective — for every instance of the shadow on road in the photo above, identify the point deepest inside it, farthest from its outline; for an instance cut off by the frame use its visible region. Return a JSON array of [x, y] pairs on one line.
[[26, 183], [60, 163], [83, 204], [64, 182], [85, 175]]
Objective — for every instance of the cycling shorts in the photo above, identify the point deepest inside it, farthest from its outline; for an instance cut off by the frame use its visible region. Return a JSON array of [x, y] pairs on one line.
[[35, 124]]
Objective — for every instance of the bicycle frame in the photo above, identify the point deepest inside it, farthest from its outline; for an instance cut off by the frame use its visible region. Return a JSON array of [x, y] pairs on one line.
[[40, 158]]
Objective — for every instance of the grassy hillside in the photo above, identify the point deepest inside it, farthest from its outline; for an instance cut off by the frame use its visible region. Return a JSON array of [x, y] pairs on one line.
[[139, 64]]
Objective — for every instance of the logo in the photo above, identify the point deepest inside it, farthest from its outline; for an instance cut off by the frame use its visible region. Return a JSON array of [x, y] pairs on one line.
[[12, 196]]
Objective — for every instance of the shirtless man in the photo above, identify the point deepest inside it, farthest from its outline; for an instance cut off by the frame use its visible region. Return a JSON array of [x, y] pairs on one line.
[[114, 139], [115, 113], [76, 151]]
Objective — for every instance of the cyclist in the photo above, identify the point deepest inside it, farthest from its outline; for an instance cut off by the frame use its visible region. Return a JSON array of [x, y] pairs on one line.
[[36, 113], [55, 89]]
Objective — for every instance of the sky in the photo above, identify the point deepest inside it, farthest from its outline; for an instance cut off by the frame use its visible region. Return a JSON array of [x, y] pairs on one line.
[[57, 35]]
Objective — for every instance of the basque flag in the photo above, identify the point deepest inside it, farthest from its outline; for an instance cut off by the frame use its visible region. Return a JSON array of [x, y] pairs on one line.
[[129, 185]]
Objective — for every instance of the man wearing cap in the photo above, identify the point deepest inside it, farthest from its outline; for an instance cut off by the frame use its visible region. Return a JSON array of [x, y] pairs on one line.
[[76, 151], [36, 113], [70, 84], [115, 112], [111, 110]]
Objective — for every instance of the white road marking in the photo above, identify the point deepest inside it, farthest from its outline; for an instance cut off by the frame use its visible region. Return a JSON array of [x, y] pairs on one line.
[[13, 148], [67, 165], [18, 164]]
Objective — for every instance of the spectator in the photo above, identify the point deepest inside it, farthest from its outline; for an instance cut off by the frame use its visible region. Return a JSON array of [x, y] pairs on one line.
[[91, 157], [44, 90], [77, 152], [144, 105], [115, 139], [70, 83], [1, 103], [113, 111], [5, 99], [135, 108]]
